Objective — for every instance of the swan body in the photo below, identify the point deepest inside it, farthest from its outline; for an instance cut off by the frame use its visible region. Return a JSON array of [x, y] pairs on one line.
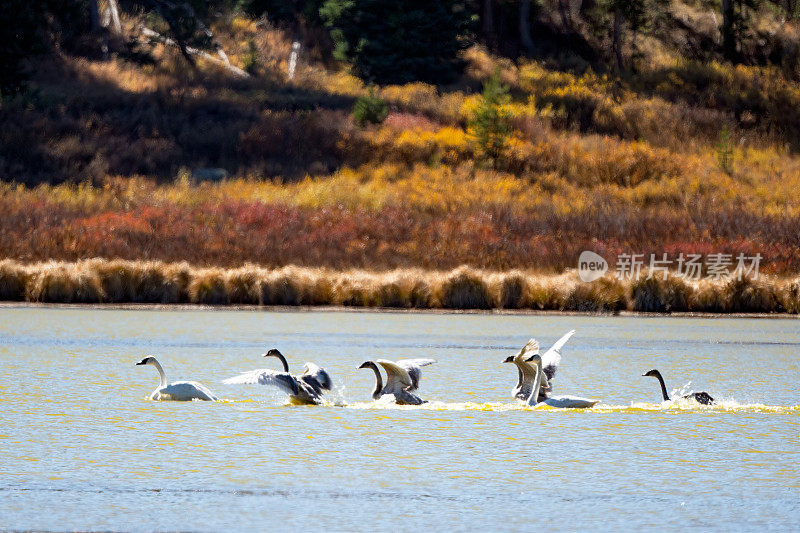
[[700, 397], [402, 378], [536, 373], [550, 361], [177, 390], [303, 389]]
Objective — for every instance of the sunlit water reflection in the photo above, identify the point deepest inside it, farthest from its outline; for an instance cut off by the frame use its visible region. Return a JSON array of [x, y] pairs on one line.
[[82, 448]]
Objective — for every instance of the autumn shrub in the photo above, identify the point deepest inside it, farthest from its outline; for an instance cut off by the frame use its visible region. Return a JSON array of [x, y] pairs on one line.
[[243, 285], [660, 295], [708, 297], [207, 286], [280, 288], [544, 294], [464, 289], [789, 296], [605, 295], [508, 289], [13, 279], [747, 296], [64, 283]]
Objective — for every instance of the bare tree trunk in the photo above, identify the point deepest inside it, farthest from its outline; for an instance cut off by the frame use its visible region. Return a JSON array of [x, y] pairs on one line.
[[790, 7], [728, 30], [488, 24], [115, 23], [562, 10], [525, 26], [94, 15], [616, 39]]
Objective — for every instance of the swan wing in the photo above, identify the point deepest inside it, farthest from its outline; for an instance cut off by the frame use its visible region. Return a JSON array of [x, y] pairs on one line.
[[531, 348], [187, 390], [318, 374], [414, 369], [397, 377], [552, 357], [266, 376]]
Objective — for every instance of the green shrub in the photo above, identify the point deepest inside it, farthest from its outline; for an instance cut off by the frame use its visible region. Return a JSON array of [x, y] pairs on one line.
[[370, 109], [490, 126], [250, 58], [725, 151]]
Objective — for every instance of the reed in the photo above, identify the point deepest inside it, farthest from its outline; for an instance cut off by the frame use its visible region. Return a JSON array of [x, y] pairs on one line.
[[13, 279], [660, 295], [118, 281]]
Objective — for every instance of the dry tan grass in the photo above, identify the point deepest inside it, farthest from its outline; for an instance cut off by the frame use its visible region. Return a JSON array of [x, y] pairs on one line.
[[117, 281]]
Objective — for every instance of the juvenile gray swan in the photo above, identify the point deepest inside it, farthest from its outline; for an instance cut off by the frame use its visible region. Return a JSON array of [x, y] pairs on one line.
[[402, 378], [536, 373], [303, 389], [701, 397], [550, 362], [177, 390]]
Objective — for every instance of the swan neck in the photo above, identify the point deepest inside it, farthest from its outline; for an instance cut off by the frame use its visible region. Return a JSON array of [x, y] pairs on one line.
[[156, 364], [280, 356], [533, 399], [378, 381], [663, 386]]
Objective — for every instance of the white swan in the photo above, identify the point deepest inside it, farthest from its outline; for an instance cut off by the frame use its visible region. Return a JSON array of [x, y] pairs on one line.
[[303, 389], [177, 390], [536, 373], [701, 397], [402, 378]]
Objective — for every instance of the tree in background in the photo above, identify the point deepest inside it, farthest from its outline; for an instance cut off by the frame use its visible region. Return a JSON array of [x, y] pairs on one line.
[[399, 42], [735, 22], [184, 22], [490, 125], [294, 12], [31, 27]]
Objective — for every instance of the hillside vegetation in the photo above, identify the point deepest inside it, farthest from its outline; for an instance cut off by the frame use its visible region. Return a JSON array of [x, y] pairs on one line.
[[680, 151]]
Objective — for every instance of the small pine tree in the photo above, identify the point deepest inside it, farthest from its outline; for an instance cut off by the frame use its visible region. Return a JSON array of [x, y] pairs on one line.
[[490, 126], [370, 109], [399, 42], [250, 58], [725, 150]]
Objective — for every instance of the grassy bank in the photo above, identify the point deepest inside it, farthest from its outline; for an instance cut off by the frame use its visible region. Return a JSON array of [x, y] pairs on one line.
[[101, 281], [389, 216], [105, 158]]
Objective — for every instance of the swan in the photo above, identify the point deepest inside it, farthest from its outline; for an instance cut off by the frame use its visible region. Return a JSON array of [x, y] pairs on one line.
[[303, 389], [550, 362], [177, 390], [564, 402], [402, 378], [536, 373], [700, 397]]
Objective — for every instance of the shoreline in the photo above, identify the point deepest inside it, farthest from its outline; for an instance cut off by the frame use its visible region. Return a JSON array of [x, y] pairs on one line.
[[104, 282], [388, 310]]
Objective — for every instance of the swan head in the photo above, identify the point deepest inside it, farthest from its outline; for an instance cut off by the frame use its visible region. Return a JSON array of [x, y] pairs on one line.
[[367, 364], [272, 353], [509, 359], [535, 358], [146, 361], [652, 373]]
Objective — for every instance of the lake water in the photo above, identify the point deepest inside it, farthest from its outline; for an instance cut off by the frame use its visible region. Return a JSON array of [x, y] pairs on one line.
[[82, 448]]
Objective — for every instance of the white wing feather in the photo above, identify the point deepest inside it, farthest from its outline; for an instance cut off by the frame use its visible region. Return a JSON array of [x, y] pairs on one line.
[[552, 357], [411, 363], [395, 374], [265, 376]]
